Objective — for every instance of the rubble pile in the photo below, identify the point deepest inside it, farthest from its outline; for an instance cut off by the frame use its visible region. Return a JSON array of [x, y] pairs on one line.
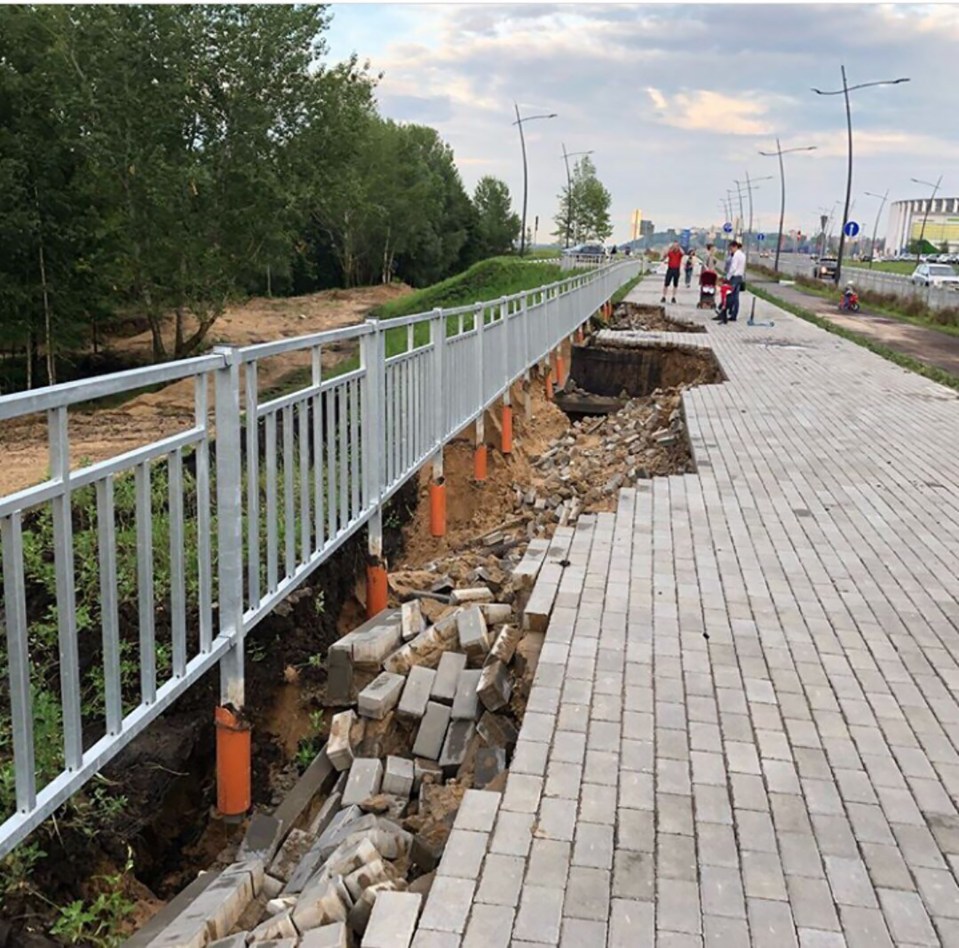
[[581, 472], [648, 317]]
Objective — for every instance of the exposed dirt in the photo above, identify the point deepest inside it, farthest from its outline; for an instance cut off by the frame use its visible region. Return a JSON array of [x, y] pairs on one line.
[[649, 316], [99, 434]]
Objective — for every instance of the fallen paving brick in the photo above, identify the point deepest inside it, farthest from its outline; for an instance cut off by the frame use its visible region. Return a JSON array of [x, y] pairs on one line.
[[271, 887], [528, 569], [466, 705], [455, 746], [371, 646], [231, 941], [540, 603], [277, 926], [280, 904], [426, 649], [393, 920], [381, 695], [496, 612], [498, 731], [339, 827], [490, 763], [348, 858], [366, 775], [326, 813], [398, 776], [262, 837], [447, 677], [294, 848], [505, 645], [426, 768], [473, 594], [363, 907], [320, 905], [495, 686], [328, 936], [339, 746], [412, 622], [473, 633], [432, 731], [370, 874], [339, 673], [416, 693]]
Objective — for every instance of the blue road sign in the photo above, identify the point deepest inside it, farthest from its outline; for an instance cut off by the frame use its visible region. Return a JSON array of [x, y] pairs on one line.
[[684, 238], [760, 236], [727, 228], [851, 229]]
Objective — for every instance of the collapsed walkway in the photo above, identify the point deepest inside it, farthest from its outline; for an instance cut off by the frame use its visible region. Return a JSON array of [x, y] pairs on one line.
[[744, 725]]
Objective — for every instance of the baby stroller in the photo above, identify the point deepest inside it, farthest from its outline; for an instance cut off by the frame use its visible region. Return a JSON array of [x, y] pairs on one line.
[[707, 289]]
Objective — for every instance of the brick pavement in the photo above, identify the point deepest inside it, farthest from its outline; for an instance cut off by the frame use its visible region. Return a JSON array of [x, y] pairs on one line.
[[744, 724]]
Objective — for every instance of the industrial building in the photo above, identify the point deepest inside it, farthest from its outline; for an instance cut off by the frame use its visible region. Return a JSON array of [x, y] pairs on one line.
[[906, 217]]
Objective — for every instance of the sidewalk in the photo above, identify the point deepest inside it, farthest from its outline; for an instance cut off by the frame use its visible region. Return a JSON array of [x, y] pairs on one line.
[[744, 724]]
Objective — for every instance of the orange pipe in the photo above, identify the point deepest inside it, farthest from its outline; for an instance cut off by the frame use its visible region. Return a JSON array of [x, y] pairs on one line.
[[549, 384], [479, 463], [508, 429], [560, 369], [438, 509], [233, 763], [377, 589]]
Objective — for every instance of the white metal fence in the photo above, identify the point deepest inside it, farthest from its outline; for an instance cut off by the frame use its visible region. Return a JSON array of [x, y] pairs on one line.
[[219, 522]]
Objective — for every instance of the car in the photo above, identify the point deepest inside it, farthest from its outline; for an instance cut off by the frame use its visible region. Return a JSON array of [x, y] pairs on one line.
[[935, 274], [824, 268], [585, 250]]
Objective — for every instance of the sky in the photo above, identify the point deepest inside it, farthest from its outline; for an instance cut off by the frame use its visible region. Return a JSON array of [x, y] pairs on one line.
[[675, 100]]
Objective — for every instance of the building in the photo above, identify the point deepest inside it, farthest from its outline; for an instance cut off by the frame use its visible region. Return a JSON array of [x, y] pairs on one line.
[[905, 223], [646, 228]]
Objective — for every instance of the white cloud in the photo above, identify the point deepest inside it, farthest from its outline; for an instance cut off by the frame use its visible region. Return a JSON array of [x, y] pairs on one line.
[[705, 111]]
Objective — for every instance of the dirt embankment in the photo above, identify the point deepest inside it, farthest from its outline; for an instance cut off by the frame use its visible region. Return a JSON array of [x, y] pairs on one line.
[[98, 434]]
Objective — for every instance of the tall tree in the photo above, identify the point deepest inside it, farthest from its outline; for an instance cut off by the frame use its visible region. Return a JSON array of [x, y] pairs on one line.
[[584, 207], [497, 227]]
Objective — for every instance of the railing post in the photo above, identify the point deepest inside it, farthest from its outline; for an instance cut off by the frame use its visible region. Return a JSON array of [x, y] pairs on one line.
[[373, 358], [232, 732], [438, 484]]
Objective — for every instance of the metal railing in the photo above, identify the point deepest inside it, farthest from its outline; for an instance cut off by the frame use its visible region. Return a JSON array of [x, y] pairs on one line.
[[219, 522]]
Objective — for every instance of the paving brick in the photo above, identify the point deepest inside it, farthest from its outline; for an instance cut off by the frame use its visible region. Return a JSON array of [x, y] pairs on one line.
[[501, 880], [587, 893], [489, 927], [631, 924], [540, 915], [432, 731], [448, 905], [366, 775], [381, 695], [906, 917]]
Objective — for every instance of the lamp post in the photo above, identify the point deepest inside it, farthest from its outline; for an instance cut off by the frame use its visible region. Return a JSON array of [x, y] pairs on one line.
[[522, 140], [925, 216], [844, 91], [750, 186], [875, 229], [782, 189], [569, 188]]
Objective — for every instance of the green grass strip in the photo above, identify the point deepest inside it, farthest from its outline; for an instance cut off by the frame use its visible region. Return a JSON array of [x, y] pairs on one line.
[[892, 355]]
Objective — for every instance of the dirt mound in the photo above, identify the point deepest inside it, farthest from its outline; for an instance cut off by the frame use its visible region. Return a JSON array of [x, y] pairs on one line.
[[649, 317]]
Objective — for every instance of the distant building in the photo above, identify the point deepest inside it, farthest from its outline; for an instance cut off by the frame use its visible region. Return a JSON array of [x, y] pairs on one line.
[[646, 228], [905, 223]]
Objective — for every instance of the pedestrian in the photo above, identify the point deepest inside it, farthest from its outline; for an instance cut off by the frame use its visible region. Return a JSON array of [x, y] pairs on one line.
[[710, 263], [674, 260], [736, 277], [688, 269]]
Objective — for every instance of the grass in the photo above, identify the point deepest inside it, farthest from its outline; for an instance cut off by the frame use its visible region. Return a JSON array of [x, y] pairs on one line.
[[904, 267], [486, 280], [626, 288], [892, 355]]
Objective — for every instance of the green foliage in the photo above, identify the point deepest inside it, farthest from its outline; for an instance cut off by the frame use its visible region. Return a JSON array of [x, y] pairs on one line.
[[625, 289], [98, 922], [311, 744], [497, 227], [923, 246], [487, 280], [584, 207]]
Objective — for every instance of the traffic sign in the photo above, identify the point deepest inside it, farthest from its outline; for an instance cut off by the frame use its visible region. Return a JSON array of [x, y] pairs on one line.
[[851, 229], [684, 238], [760, 236], [727, 228]]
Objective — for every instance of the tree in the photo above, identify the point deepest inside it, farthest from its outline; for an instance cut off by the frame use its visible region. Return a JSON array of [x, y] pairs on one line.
[[497, 227], [584, 208]]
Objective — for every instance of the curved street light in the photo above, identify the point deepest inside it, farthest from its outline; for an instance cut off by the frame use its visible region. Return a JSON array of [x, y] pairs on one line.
[[522, 140], [750, 187], [875, 229], [779, 152], [569, 188], [844, 91], [925, 216]]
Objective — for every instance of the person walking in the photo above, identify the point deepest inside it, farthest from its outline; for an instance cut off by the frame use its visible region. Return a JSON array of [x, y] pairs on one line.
[[688, 269], [736, 277], [710, 263], [674, 260]]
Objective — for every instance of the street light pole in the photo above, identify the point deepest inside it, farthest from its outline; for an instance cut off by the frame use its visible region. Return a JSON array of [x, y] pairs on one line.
[[875, 229], [782, 189], [845, 90], [925, 216], [750, 187], [522, 141], [569, 189]]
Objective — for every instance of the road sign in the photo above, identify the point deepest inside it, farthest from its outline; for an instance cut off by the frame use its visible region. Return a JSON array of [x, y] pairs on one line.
[[760, 236], [684, 238], [727, 228], [851, 229]]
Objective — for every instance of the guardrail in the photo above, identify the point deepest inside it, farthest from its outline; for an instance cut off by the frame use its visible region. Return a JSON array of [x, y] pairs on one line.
[[254, 496], [574, 261]]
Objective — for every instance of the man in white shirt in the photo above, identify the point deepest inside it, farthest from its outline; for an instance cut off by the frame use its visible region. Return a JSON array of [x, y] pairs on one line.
[[736, 277]]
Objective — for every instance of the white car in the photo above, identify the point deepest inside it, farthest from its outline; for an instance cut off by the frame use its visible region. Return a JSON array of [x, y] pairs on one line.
[[935, 274]]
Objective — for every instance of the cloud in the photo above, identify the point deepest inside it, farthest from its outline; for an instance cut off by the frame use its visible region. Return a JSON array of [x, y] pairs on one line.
[[707, 111]]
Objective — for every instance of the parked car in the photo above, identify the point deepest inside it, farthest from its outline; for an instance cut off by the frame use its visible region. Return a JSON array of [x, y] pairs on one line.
[[585, 250], [935, 274], [824, 268]]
